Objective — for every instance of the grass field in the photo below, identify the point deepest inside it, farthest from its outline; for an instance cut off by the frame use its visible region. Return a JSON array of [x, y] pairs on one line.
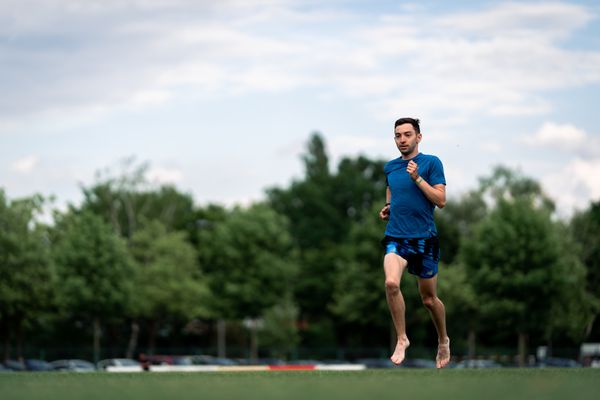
[[488, 384]]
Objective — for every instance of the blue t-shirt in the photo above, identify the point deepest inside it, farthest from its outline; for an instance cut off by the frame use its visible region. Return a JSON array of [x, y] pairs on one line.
[[411, 213]]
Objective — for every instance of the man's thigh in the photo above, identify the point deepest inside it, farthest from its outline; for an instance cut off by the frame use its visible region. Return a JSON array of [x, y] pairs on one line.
[[394, 266]]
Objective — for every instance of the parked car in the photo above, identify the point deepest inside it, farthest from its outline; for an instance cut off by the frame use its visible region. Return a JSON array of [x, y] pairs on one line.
[[558, 363], [478, 364], [210, 360], [160, 359], [15, 365], [73, 365], [4, 369], [119, 364], [37, 365]]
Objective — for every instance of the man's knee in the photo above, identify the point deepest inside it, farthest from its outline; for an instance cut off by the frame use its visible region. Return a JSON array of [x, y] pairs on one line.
[[429, 301], [392, 286]]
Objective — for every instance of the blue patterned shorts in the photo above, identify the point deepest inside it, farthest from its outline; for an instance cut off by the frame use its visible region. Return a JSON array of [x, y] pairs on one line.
[[422, 255]]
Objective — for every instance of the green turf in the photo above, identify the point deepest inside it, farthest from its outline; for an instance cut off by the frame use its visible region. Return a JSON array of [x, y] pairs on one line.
[[410, 384]]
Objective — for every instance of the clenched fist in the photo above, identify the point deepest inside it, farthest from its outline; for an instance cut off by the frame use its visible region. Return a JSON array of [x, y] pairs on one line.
[[413, 170], [384, 214]]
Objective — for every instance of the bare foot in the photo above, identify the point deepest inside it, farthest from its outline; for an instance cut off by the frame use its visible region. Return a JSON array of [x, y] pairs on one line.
[[401, 347], [443, 355]]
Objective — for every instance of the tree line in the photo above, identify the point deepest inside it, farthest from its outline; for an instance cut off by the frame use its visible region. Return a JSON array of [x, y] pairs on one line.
[[136, 267]]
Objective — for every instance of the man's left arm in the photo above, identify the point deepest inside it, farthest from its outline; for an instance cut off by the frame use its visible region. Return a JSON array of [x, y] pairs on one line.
[[435, 193]]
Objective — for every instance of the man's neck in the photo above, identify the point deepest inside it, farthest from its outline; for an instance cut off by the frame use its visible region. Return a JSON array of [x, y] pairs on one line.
[[411, 155]]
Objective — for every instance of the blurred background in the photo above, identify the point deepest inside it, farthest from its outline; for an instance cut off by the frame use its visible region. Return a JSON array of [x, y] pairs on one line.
[[193, 177]]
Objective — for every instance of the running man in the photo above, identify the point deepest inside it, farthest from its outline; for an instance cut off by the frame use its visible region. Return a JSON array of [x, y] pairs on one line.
[[415, 185]]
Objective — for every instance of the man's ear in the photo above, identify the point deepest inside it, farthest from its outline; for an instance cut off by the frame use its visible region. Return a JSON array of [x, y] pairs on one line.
[[419, 137]]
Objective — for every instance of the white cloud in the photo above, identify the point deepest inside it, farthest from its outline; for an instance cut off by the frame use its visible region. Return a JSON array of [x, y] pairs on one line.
[[164, 175], [574, 186], [564, 137], [491, 147], [25, 165], [500, 60], [550, 20]]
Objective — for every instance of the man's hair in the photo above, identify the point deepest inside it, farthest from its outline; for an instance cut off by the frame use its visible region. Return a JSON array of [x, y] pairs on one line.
[[407, 120]]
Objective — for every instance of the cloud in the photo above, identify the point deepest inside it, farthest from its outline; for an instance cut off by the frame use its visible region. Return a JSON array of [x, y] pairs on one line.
[[500, 60], [564, 137], [574, 186], [25, 165], [162, 175], [491, 147], [546, 21]]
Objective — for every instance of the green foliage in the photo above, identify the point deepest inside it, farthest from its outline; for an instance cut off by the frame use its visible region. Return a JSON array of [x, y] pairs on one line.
[[316, 160], [27, 275], [523, 268], [310, 257], [462, 309], [127, 200], [94, 266], [280, 331], [585, 229], [359, 291], [506, 184], [456, 221], [168, 281], [321, 209], [513, 259], [248, 259]]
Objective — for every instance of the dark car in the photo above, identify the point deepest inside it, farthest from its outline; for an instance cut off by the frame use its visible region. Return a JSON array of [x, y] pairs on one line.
[[555, 362], [15, 365], [159, 359], [38, 365], [4, 369], [210, 360], [73, 365]]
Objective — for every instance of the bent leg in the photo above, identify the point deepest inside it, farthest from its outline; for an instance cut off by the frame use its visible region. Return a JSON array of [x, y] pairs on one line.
[[428, 291], [394, 266]]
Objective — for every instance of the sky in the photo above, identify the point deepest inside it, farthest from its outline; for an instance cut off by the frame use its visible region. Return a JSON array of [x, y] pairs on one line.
[[221, 97]]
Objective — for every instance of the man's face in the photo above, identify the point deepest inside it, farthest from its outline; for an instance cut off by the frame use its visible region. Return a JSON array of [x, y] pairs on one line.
[[406, 139]]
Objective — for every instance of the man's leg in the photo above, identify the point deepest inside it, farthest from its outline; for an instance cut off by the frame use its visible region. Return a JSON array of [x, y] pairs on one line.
[[428, 291], [393, 266]]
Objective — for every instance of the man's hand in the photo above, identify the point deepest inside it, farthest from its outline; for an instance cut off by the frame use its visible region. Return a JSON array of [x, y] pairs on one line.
[[413, 170], [384, 214]]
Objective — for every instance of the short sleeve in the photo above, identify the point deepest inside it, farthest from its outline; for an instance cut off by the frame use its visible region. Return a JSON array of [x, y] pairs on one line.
[[436, 172]]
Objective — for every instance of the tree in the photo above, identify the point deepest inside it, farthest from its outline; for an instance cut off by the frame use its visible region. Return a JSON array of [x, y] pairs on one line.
[[168, 282], [94, 268], [248, 259], [128, 199], [280, 329], [585, 230], [456, 221], [27, 275], [518, 266], [321, 208], [515, 241], [463, 314]]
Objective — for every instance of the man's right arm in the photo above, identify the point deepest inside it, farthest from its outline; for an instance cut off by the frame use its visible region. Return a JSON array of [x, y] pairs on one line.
[[384, 214]]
